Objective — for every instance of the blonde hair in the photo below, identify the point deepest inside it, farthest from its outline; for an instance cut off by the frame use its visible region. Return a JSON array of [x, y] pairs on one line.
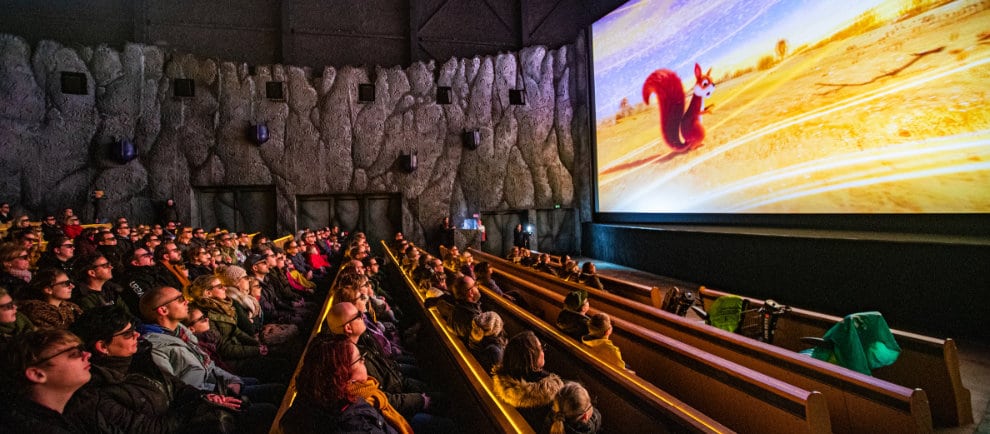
[[571, 402]]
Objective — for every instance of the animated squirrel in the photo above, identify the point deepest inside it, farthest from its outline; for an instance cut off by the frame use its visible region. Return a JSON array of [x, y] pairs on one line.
[[674, 121]]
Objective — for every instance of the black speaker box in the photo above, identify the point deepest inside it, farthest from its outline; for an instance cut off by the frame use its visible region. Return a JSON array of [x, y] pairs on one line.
[[472, 139], [366, 92], [517, 97], [275, 90], [74, 83], [184, 88], [444, 95]]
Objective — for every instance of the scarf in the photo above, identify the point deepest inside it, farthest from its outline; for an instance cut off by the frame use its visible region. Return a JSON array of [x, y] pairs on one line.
[[178, 271], [224, 307], [24, 275], [369, 391]]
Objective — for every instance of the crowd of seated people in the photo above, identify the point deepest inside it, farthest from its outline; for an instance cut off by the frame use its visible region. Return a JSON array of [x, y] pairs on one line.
[[547, 402], [159, 328]]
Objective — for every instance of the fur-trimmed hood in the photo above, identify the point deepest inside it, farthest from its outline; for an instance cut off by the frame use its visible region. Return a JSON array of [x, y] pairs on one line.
[[520, 393]]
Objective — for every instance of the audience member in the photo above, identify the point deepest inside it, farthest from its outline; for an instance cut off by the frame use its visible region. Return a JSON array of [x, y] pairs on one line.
[[61, 250], [487, 340], [572, 412], [16, 263], [47, 302], [573, 319], [95, 289], [198, 261], [520, 380], [326, 403], [41, 371], [406, 394], [12, 322], [169, 267], [598, 342], [128, 393], [543, 265], [589, 276]]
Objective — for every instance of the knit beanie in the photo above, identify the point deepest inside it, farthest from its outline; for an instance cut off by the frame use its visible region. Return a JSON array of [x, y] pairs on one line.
[[575, 300], [486, 324], [231, 275]]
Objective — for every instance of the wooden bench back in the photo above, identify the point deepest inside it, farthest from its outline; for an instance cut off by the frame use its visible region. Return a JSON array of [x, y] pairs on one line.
[[925, 363], [856, 402], [740, 398]]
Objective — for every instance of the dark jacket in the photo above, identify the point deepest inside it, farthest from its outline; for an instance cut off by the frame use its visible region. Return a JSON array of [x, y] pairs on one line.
[[136, 281], [462, 318], [20, 325], [305, 417], [573, 323], [488, 351], [21, 416], [391, 381], [130, 394], [234, 343], [592, 426], [49, 260], [87, 298], [592, 281]]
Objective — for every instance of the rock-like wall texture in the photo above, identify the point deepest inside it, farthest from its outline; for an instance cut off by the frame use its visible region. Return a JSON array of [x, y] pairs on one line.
[[53, 147]]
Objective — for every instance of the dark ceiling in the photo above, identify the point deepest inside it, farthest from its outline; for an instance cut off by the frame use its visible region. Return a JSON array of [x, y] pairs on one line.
[[309, 32]]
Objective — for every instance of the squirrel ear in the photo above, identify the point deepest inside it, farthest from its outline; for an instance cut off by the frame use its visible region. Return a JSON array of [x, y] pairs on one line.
[[709, 73], [697, 70]]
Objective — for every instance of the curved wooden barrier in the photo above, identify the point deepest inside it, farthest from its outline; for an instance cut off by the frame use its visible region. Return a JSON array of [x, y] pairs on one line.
[[926, 363], [856, 403]]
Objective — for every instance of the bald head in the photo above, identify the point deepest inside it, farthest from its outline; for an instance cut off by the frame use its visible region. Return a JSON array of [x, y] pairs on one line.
[[157, 303], [345, 319]]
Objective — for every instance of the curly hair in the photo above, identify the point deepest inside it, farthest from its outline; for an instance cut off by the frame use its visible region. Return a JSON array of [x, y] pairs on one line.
[[326, 371]]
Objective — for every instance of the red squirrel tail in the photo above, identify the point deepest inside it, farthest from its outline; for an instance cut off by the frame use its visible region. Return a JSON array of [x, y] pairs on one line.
[[670, 100]]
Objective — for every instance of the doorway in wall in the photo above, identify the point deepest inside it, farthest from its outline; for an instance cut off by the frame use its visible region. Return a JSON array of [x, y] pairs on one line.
[[378, 215], [248, 208]]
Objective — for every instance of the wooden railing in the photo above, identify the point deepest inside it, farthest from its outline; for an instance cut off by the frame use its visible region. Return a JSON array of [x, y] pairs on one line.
[[856, 402], [740, 398], [501, 417], [926, 363]]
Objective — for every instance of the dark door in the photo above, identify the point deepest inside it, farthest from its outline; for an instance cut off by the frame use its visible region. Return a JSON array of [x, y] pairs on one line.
[[237, 208]]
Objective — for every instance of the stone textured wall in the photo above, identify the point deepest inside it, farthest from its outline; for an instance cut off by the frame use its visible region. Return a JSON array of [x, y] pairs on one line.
[[53, 147]]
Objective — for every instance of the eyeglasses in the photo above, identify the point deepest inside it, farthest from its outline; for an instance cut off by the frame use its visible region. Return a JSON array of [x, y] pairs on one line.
[[24, 257], [9, 306], [103, 265], [75, 352], [130, 333], [68, 246], [218, 286], [63, 283], [359, 359], [177, 298], [360, 315], [203, 318], [143, 255], [31, 239]]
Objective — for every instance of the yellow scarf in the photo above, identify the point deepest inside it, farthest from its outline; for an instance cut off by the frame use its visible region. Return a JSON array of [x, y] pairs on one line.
[[368, 390]]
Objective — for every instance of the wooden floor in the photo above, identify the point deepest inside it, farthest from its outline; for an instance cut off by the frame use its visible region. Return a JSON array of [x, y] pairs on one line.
[[974, 356]]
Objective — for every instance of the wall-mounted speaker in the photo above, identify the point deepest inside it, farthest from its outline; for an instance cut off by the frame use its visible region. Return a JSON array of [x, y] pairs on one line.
[[74, 83], [517, 97], [408, 162], [366, 92], [444, 95], [275, 90], [258, 133], [471, 139], [184, 88]]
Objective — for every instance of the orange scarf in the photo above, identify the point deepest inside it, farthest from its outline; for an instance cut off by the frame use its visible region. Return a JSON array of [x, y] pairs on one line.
[[368, 390], [179, 272]]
